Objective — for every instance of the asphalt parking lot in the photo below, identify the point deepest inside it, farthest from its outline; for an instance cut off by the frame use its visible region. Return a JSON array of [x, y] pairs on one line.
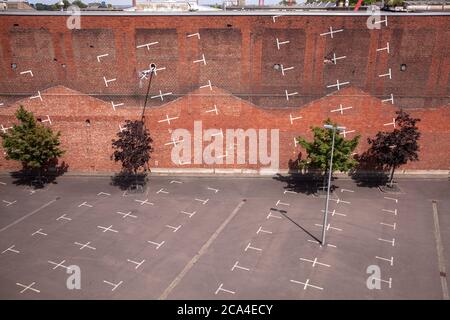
[[222, 238]]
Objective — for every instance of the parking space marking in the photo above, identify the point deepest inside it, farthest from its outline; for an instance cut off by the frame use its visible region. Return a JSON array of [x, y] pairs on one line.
[[58, 264], [306, 284], [29, 287], [346, 190], [262, 230], [3, 183], [175, 181], [64, 218], [393, 226], [202, 250], [138, 264], [114, 285], [203, 201], [103, 194], [270, 215], [39, 232], [107, 229], [11, 249], [213, 189], [281, 203], [157, 244], [385, 281], [328, 244], [314, 262], [84, 204], [142, 202], [175, 229], [340, 201], [391, 260], [236, 265], [253, 248], [84, 245], [394, 212], [222, 289], [128, 214], [190, 214], [9, 202], [288, 191], [162, 191], [393, 199], [390, 241], [328, 227], [335, 213]]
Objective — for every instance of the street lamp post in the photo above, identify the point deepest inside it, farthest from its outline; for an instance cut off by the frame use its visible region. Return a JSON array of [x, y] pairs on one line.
[[144, 75], [325, 216]]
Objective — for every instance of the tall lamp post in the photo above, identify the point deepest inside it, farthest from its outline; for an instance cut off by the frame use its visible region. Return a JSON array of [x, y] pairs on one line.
[[325, 216]]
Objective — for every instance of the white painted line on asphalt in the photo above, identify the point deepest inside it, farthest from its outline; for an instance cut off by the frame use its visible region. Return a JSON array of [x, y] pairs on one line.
[[58, 264], [190, 214], [103, 194], [270, 215], [114, 285], [253, 248], [142, 202], [202, 250], [262, 230], [213, 189], [84, 245], [11, 249], [390, 241], [138, 264], [128, 214], [386, 281], [9, 202], [393, 226], [85, 204], [157, 244], [162, 191], [328, 227], [107, 229], [236, 265], [225, 290], [393, 199], [346, 190], [317, 242], [394, 212], [39, 232], [288, 191], [3, 183], [340, 201], [175, 229], [175, 181], [281, 203], [203, 201], [314, 262], [63, 217], [29, 287], [391, 260], [334, 212], [306, 284]]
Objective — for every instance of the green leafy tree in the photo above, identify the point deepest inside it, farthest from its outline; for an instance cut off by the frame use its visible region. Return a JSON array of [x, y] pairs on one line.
[[133, 147], [318, 151], [32, 143], [286, 3], [79, 4], [395, 148]]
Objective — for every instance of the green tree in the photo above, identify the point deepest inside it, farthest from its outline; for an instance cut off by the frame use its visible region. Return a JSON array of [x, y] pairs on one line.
[[318, 151], [80, 4], [286, 2], [32, 143], [392, 149]]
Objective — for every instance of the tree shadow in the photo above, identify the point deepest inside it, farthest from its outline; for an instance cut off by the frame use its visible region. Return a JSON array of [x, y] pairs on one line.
[[129, 181], [369, 173], [29, 177]]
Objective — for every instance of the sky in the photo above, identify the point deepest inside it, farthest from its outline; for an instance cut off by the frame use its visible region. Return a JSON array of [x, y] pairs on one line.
[[250, 2]]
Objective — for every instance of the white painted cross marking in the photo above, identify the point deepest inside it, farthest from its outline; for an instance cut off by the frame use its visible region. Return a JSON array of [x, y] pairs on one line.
[[250, 247], [207, 85], [341, 109], [306, 284], [292, 119], [393, 226], [283, 69], [213, 110], [138, 264], [201, 60], [142, 202], [84, 204], [328, 227], [282, 203], [390, 241], [345, 132], [190, 214], [386, 281], [47, 120], [390, 123], [11, 249], [274, 17], [84, 245], [382, 21], [221, 289], [101, 56], [391, 99], [194, 35], [9, 203], [389, 74], [157, 244], [289, 94], [107, 228], [167, 119], [262, 230], [174, 142], [121, 128], [335, 59], [394, 212], [272, 215], [279, 43], [147, 45], [108, 81], [38, 96], [4, 129], [162, 191], [116, 105], [340, 201], [391, 260], [331, 32], [103, 193], [203, 201], [314, 262], [393, 199], [29, 287], [175, 229], [39, 232], [28, 71], [212, 189], [63, 217], [236, 265], [162, 95], [338, 84], [128, 214], [385, 48], [58, 264], [114, 285], [334, 212]]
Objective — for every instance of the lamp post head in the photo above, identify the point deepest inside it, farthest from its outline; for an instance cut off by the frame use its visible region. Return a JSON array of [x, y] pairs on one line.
[[329, 126]]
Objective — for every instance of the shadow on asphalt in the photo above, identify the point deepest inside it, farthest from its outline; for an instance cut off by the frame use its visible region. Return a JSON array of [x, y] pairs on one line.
[[284, 213], [128, 181], [29, 177]]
